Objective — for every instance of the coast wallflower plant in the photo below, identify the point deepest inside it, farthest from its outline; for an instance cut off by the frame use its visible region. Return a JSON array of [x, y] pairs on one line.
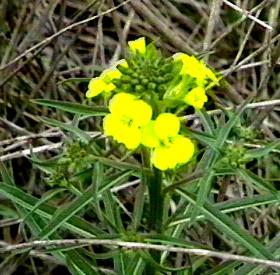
[[146, 89], [128, 115]]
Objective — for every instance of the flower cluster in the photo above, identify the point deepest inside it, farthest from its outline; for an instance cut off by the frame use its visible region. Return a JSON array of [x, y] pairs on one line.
[[146, 89]]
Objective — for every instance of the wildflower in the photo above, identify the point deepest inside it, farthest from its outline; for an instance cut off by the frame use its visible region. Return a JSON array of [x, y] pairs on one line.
[[128, 115], [138, 45], [103, 83], [169, 148], [196, 97], [195, 68], [178, 151]]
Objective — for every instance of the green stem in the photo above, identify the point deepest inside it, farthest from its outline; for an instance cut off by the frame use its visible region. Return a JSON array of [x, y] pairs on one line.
[[153, 181], [155, 201]]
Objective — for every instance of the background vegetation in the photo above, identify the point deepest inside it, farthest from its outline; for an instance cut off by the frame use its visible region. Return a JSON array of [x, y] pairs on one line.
[[60, 180]]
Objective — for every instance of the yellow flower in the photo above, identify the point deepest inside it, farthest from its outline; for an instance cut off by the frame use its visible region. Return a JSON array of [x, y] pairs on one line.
[[195, 68], [103, 83], [196, 97], [138, 45], [160, 130], [169, 148], [149, 137], [127, 118], [179, 150], [167, 125]]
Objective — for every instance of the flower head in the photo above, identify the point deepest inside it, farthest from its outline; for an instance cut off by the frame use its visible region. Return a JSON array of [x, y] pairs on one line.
[[195, 68], [179, 150], [103, 83], [169, 148], [196, 97], [138, 45], [127, 118]]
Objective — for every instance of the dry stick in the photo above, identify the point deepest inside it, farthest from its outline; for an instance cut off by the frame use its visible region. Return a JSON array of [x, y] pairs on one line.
[[215, 10], [260, 6], [248, 14], [180, 17], [162, 27], [136, 245], [46, 134], [261, 104], [117, 24], [39, 149], [244, 41], [123, 36], [28, 152], [52, 37], [252, 55]]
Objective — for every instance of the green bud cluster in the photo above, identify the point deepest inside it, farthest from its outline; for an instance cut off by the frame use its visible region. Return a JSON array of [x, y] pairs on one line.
[[246, 133], [150, 73], [73, 161], [235, 156]]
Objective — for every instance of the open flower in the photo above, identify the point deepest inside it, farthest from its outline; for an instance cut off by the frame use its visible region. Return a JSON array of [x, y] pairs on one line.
[[138, 45], [103, 83], [195, 68], [169, 148], [196, 97], [128, 115]]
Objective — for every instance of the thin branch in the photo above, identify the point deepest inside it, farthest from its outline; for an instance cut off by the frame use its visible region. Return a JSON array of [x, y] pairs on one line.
[[27, 152], [46, 134], [136, 245], [261, 104], [52, 37], [248, 14], [40, 149]]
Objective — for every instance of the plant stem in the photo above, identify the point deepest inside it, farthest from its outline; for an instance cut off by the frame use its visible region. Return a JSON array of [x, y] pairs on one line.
[[155, 201], [153, 181]]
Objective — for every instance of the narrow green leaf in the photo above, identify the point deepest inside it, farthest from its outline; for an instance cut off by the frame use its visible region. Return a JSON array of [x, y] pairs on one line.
[[256, 180], [230, 228], [74, 108], [264, 151], [27, 201], [80, 262], [206, 181], [68, 127], [65, 213], [231, 206]]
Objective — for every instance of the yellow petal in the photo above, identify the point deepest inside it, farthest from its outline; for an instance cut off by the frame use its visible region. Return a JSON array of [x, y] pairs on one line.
[[95, 87], [108, 75], [167, 125], [149, 137], [109, 88], [115, 127], [196, 97], [182, 148], [122, 63], [140, 112], [138, 45], [163, 159], [131, 137], [195, 68], [120, 102], [111, 125]]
